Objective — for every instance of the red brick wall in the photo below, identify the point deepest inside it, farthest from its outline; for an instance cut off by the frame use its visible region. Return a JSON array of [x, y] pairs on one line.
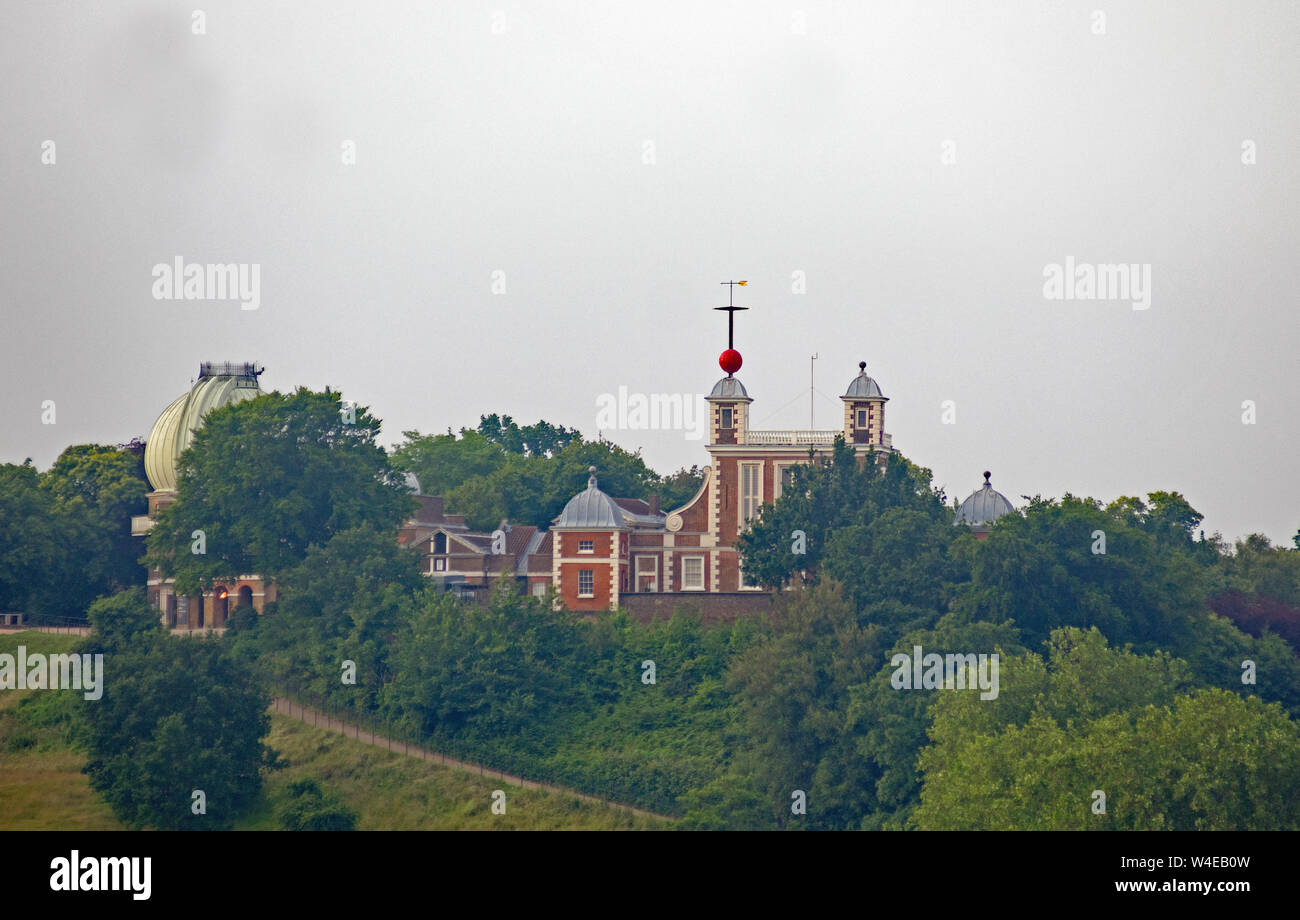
[[696, 516], [728, 572], [728, 493], [707, 608], [600, 576], [599, 539]]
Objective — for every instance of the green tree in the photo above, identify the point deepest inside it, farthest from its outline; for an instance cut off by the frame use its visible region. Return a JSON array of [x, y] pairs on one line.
[[267, 478], [122, 622], [676, 489], [540, 439], [493, 671], [824, 497], [1046, 568], [34, 546], [443, 462], [526, 475], [346, 601], [98, 489], [902, 569], [176, 715], [888, 725], [792, 691], [1096, 718]]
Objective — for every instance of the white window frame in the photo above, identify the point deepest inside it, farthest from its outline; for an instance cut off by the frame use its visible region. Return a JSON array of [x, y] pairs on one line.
[[727, 418], [439, 565], [778, 478], [592, 574], [590, 547], [703, 575], [654, 571], [757, 498], [740, 576]]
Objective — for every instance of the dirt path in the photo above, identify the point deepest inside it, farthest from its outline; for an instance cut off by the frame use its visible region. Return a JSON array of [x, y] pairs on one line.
[[321, 720]]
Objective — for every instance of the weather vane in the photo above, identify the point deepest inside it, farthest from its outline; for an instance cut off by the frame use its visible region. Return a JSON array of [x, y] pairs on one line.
[[730, 360]]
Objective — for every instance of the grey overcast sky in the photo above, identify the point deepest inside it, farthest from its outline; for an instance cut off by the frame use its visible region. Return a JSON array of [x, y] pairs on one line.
[[921, 164]]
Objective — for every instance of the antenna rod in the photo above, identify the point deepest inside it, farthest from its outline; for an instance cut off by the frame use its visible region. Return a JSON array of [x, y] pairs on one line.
[[812, 406]]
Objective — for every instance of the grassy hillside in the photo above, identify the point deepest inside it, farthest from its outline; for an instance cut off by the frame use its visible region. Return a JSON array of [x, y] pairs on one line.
[[42, 787], [391, 791], [41, 783]]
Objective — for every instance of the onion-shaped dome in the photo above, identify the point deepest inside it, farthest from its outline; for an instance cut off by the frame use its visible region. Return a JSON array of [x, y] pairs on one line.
[[218, 385], [591, 509], [862, 386], [729, 388], [983, 506]]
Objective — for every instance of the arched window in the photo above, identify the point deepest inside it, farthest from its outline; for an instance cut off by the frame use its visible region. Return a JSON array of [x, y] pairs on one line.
[[220, 605], [245, 596]]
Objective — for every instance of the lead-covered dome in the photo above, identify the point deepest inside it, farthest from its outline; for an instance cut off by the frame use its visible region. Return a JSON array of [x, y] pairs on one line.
[[862, 386], [729, 388], [591, 509], [983, 506], [219, 384]]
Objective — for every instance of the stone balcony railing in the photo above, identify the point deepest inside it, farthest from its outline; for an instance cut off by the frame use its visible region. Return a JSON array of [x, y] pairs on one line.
[[791, 436], [141, 524], [801, 438]]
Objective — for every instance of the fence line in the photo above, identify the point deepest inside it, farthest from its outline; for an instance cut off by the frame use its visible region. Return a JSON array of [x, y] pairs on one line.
[[285, 706], [54, 630]]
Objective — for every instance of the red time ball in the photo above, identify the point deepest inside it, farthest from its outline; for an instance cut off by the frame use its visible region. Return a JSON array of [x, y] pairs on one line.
[[730, 361]]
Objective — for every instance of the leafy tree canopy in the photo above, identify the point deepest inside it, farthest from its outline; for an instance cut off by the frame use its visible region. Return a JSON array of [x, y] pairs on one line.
[[65, 534], [526, 475], [1095, 719], [176, 715], [267, 478], [99, 488], [825, 497]]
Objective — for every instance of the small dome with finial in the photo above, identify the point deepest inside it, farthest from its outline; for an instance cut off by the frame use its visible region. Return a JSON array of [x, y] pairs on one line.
[[591, 509], [729, 388], [983, 506], [862, 386]]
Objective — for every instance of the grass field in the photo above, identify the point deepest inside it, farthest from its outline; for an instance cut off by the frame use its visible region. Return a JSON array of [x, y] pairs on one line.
[[391, 791], [42, 786]]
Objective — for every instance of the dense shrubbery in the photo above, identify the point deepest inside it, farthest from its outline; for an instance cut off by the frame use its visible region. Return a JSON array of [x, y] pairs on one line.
[[307, 807]]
